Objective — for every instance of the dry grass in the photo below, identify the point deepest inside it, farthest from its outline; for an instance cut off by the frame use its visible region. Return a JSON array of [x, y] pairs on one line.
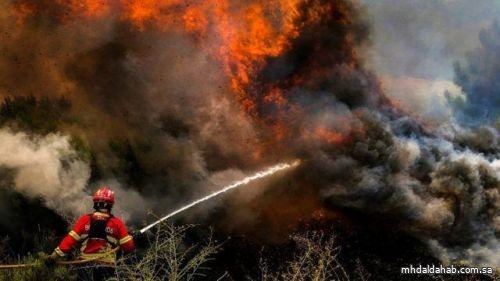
[[168, 257], [316, 259]]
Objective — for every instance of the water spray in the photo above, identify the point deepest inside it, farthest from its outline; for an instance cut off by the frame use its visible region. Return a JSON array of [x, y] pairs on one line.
[[262, 174]]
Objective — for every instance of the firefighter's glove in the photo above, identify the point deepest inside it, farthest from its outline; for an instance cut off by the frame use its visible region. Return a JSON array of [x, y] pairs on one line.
[[51, 259], [136, 234]]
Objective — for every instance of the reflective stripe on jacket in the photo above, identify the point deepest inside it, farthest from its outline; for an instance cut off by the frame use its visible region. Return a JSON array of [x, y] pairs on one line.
[[116, 235]]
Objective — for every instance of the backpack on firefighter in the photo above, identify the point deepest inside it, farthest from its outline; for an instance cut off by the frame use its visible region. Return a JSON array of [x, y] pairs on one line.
[[100, 234]]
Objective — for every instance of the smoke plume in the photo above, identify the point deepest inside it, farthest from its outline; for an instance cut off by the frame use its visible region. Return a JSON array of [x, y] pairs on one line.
[[48, 168], [172, 97]]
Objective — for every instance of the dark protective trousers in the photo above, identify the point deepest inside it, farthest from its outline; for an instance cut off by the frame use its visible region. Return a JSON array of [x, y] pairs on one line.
[[96, 273]]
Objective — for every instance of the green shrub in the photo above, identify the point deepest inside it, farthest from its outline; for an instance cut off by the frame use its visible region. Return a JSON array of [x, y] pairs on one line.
[[44, 242], [42, 115]]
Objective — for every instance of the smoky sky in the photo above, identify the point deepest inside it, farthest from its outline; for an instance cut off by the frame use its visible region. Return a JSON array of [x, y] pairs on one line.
[[422, 39], [479, 77]]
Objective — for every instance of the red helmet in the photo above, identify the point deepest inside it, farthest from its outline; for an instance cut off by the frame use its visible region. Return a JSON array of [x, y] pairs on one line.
[[104, 194]]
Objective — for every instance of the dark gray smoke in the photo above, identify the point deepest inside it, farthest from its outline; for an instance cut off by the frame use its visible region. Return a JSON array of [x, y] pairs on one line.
[[430, 186], [153, 111]]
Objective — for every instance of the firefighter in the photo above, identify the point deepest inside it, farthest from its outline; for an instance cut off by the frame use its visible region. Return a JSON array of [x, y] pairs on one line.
[[100, 234]]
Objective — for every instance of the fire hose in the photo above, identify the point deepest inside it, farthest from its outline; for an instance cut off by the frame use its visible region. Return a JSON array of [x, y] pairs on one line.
[[234, 185], [65, 263]]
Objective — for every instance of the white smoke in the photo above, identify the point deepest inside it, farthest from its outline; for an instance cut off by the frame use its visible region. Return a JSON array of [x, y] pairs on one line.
[[425, 99], [48, 168]]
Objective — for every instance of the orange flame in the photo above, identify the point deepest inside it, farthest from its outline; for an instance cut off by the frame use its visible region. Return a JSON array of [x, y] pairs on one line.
[[84, 8], [243, 36], [21, 12], [329, 136]]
